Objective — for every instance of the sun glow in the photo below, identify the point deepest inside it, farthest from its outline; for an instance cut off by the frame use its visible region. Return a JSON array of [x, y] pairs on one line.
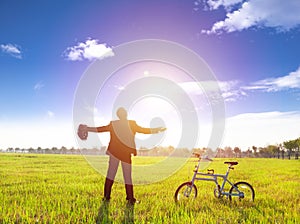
[[154, 111]]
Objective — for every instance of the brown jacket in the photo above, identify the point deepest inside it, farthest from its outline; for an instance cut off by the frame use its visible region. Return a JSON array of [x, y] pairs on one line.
[[122, 134]]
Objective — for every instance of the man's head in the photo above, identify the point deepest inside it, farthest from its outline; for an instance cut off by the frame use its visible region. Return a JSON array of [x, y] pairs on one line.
[[122, 113]]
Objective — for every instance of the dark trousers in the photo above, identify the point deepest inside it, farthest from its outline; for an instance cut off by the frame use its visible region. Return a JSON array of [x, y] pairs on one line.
[[110, 177]]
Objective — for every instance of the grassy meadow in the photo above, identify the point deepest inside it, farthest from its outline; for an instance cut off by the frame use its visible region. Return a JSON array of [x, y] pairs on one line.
[[66, 189]]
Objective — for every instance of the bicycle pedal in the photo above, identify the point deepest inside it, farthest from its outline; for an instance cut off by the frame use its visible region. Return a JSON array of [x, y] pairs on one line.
[[210, 171]]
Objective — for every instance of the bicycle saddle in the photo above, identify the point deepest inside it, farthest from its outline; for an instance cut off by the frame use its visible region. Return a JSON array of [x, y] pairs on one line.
[[231, 163]]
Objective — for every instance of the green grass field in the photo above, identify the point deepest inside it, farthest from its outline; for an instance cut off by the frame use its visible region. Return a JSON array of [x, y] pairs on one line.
[[66, 189]]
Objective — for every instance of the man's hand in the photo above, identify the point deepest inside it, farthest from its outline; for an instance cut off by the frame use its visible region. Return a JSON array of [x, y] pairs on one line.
[[157, 130], [82, 132], [161, 129]]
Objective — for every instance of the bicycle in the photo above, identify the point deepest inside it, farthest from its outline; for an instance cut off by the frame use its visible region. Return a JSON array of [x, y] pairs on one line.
[[240, 190]]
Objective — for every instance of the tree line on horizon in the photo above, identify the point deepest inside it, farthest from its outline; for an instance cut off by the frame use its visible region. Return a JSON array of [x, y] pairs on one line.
[[287, 149]]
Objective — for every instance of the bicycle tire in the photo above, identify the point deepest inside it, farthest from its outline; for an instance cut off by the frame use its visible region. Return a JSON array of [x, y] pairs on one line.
[[247, 189], [185, 192]]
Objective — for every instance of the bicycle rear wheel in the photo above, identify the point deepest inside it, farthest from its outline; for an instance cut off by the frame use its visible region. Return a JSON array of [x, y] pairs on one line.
[[185, 192], [241, 191]]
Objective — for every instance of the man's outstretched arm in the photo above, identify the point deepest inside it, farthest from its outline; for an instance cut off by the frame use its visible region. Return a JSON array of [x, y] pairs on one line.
[[85, 128], [157, 130], [82, 128], [149, 130], [98, 129]]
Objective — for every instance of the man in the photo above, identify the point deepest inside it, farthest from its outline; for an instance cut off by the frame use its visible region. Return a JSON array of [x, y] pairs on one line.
[[120, 148]]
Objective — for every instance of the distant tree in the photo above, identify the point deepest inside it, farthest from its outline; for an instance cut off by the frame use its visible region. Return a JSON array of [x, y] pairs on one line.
[[95, 151], [261, 152], [31, 150], [298, 148], [54, 149], [181, 152], [278, 150], [47, 150], [155, 151], [254, 148], [290, 145], [84, 151], [274, 150], [39, 149], [282, 153], [237, 151], [220, 153], [249, 152], [72, 150], [228, 152], [268, 151], [63, 150]]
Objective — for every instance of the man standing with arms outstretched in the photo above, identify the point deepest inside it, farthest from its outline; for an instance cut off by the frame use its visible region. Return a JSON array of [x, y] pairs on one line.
[[120, 148]]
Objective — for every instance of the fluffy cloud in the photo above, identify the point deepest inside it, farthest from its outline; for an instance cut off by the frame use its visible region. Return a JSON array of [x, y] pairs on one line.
[[38, 86], [241, 14], [90, 50], [230, 90], [215, 4], [290, 81], [233, 90], [12, 50]]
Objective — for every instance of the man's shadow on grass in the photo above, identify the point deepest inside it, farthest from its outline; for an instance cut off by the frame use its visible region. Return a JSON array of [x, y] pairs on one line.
[[103, 214]]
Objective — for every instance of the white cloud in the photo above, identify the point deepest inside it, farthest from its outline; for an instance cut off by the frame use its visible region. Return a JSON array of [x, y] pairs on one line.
[[38, 86], [215, 4], [290, 81], [278, 14], [50, 114], [228, 89], [233, 90], [90, 50], [12, 50], [261, 129]]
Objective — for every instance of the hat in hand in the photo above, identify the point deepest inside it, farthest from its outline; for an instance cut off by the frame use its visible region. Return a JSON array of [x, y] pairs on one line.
[[82, 132]]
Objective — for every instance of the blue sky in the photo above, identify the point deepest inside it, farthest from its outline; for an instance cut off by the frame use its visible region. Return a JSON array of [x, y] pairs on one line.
[[251, 46]]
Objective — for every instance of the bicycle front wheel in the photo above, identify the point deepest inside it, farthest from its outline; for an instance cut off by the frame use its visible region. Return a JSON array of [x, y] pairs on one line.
[[185, 192], [241, 191]]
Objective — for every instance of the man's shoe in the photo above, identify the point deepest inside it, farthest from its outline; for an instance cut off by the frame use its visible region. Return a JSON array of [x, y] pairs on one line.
[[132, 201], [104, 199]]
